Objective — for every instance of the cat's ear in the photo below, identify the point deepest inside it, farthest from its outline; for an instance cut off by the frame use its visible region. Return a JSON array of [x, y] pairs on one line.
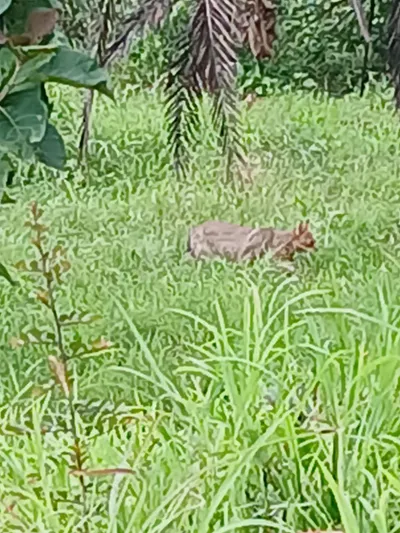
[[303, 227]]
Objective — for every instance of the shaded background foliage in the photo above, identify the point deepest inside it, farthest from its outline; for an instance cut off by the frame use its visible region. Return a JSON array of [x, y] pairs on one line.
[[318, 45]]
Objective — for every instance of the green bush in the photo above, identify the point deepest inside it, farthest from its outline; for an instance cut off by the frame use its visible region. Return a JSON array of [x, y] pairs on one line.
[[318, 46], [33, 53]]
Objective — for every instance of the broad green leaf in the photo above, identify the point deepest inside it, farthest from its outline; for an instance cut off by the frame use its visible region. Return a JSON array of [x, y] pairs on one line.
[[8, 66], [5, 168], [51, 149], [4, 5], [33, 50], [28, 74], [23, 119], [5, 274], [77, 69]]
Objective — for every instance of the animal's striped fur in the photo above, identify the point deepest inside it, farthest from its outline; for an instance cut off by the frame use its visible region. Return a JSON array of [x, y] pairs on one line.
[[241, 243]]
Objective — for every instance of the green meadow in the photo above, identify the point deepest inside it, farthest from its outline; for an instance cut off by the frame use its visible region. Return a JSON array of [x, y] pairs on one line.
[[244, 398]]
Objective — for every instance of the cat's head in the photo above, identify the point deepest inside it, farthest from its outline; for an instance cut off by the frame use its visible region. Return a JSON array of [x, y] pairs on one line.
[[303, 239]]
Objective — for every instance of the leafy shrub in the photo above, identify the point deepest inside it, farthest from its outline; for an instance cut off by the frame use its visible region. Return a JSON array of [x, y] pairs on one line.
[[60, 338], [33, 53], [318, 46]]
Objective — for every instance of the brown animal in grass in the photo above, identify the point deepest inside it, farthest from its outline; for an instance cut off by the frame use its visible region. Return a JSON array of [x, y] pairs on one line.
[[241, 243]]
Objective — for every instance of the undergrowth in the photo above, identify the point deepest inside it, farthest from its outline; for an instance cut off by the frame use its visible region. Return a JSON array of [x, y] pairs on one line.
[[244, 399]]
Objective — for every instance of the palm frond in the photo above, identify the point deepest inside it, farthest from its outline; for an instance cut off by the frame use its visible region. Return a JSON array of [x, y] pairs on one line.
[[148, 15], [394, 48], [182, 109], [213, 48], [182, 116], [207, 63], [257, 21]]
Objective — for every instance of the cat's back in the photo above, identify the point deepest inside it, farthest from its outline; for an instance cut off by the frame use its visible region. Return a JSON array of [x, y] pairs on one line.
[[216, 238], [218, 227]]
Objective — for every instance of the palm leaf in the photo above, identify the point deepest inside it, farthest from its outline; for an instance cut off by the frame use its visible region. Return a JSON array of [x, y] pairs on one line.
[[212, 45], [257, 21], [207, 63], [182, 107], [394, 48]]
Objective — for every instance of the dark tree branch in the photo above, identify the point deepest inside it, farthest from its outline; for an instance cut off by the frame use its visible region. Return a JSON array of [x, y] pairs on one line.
[[367, 48], [394, 48], [108, 11], [149, 15], [361, 18]]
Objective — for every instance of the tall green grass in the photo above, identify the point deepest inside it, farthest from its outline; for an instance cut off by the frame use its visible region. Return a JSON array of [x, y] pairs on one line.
[[245, 398]]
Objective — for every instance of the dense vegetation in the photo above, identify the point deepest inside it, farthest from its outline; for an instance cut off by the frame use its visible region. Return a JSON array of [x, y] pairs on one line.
[[318, 44], [144, 392], [230, 391]]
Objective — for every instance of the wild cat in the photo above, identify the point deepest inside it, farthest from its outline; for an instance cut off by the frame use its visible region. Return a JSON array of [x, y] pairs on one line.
[[241, 243]]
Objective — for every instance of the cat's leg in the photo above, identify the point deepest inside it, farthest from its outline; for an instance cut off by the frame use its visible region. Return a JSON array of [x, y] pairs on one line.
[[189, 249]]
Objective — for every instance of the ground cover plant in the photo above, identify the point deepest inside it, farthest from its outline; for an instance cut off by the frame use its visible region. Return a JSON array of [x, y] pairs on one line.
[[242, 398]]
